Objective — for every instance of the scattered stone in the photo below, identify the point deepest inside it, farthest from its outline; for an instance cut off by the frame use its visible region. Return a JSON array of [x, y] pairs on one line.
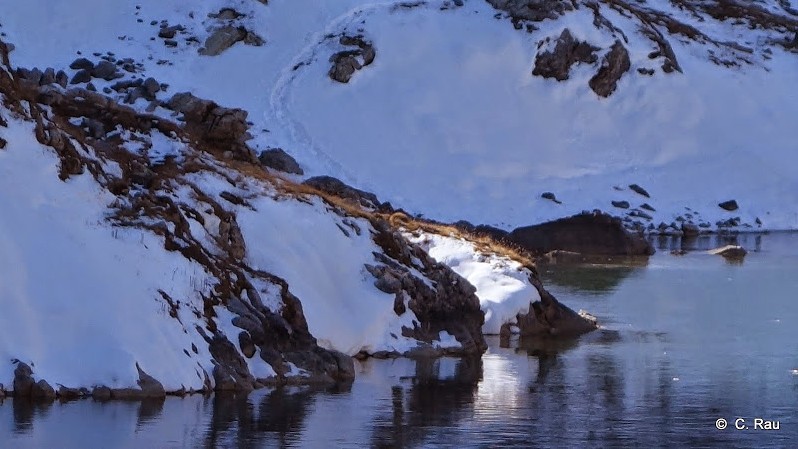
[[225, 37], [170, 43], [613, 66], [730, 205], [48, 77], [346, 63], [550, 196], [639, 190], [61, 78], [169, 32], [535, 11], [557, 63], [279, 160], [68, 394], [621, 204], [151, 87], [226, 14], [91, 87], [647, 207]]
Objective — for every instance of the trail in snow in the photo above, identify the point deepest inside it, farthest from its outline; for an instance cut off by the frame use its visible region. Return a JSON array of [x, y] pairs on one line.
[[280, 97]]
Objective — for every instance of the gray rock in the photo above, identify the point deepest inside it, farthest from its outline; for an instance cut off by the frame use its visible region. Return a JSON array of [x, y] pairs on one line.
[[105, 70], [23, 380], [567, 51], [732, 252], [48, 77], [150, 387], [621, 204], [639, 190], [101, 393], [82, 76], [246, 344], [61, 78], [169, 32], [81, 64], [279, 160], [536, 10], [42, 391], [613, 66], [345, 64], [151, 87], [222, 39], [336, 187], [730, 205], [550, 196]]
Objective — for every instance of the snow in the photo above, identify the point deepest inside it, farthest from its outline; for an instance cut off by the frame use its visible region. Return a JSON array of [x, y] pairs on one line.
[[325, 269], [502, 284], [80, 299]]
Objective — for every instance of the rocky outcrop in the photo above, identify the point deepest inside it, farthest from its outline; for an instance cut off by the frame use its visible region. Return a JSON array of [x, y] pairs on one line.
[[279, 160], [214, 125], [550, 318], [587, 233], [613, 66], [23, 380], [556, 63], [346, 63], [336, 187], [535, 11], [447, 303], [730, 252]]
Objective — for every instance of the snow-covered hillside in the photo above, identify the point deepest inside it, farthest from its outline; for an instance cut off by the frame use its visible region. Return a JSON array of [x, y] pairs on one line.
[[165, 245], [448, 120]]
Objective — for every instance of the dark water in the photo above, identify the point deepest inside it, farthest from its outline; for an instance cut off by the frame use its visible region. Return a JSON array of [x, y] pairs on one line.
[[687, 340]]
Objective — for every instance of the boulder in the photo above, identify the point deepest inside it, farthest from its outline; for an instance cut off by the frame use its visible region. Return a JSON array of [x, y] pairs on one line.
[[23, 380], [615, 63], [730, 205], [279, 160], [345, 64], [535, 11], [550, 318], [550, 196], [42, 391], [639, 190], [556, 63], [336, 187], [101, 393], [587, 233], [82, 76], [621, 204], [81, 64], [150, 387], [105, 70], [732, 252], [223, 38]]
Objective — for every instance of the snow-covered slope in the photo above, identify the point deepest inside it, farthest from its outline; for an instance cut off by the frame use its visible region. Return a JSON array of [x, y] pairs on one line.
[[448, 120]]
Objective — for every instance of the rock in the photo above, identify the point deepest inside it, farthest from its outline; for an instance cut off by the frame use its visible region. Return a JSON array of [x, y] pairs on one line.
[[732, 252], [23, 380], [336, 187], [169, 32], [550, 196], [151, 87], [150, 387], [105, 70], [548, 317], [226, 14], [345, 64], [82, 76], [613, 66], [246, 344], [639, 190], [645, 71], [587, 233], [61, 78], [730, 205], [690, 230], [48, 77], [170, 43], [3, 143], [557, 63], [621, 204], [42, 391], [222, 39], [68, 394], [536, 11], [101, 393], [81, 64], [279, 160], [648, 207]]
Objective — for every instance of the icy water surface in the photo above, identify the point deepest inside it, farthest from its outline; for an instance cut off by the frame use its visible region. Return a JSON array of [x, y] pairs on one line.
[[688, 340]]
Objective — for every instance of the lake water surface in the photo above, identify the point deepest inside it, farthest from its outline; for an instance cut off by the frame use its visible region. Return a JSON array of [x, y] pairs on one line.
[[686, 340]]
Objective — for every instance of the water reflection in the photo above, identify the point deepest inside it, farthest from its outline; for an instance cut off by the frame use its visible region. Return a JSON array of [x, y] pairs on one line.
[[591, 278], [432, 400]]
